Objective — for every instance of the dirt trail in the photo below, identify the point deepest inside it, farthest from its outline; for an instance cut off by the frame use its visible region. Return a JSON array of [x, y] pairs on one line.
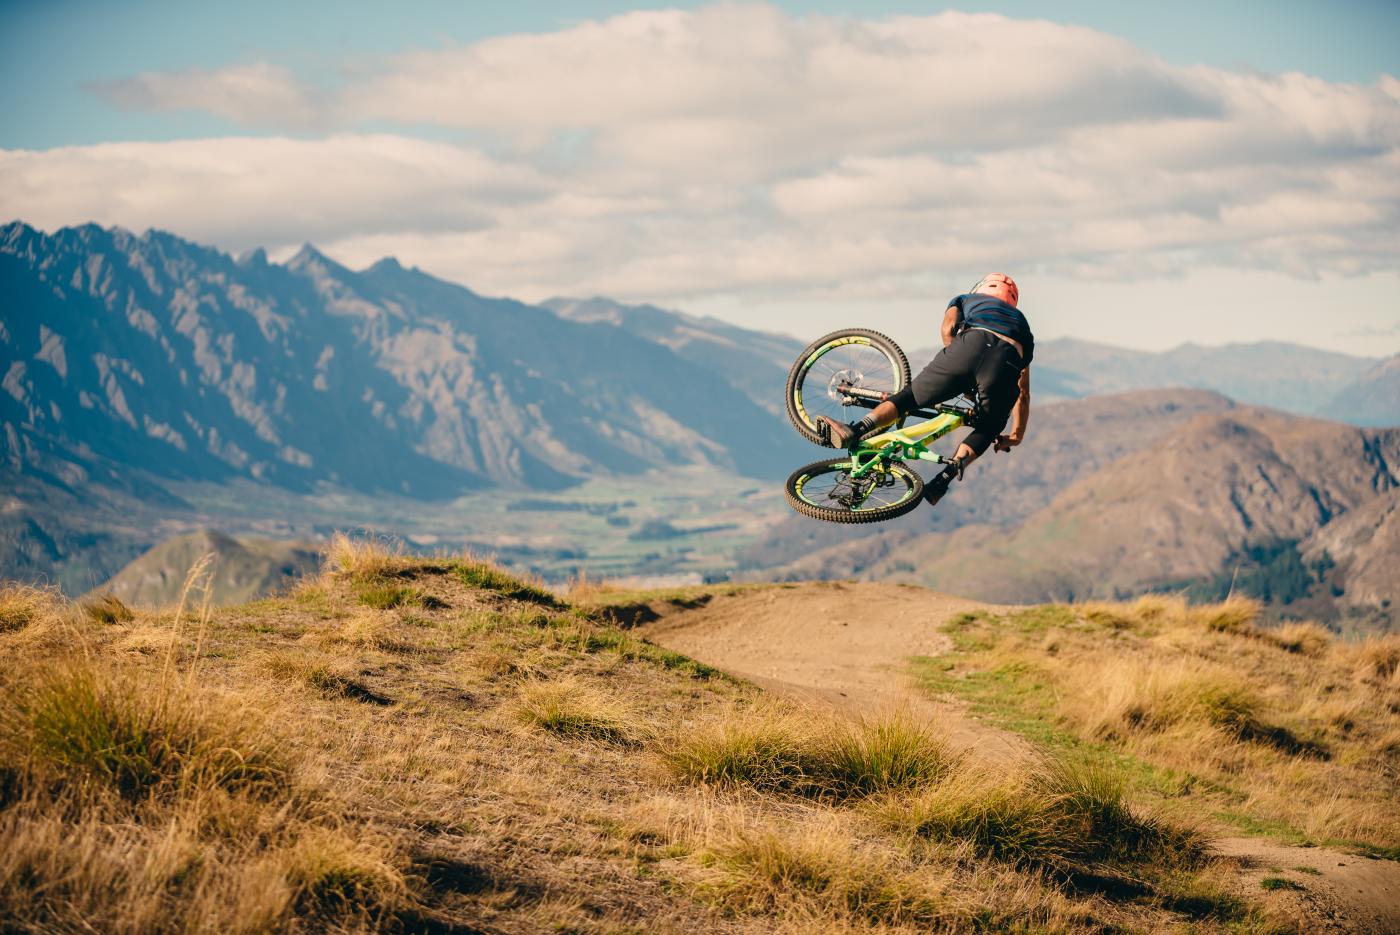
[[1337, 892], [837, 643], [847, 645]]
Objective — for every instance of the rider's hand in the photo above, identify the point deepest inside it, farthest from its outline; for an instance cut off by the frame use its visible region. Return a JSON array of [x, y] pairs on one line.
[[1006, 442]]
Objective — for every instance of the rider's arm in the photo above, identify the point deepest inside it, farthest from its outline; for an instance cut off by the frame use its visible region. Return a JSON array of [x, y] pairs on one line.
[[950, 323], [1021, 415]]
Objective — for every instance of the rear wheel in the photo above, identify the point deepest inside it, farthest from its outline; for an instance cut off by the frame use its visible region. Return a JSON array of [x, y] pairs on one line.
[[853, 356], [826, 490]]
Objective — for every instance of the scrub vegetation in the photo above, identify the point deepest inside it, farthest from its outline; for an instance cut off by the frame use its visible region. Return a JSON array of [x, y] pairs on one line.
[[475, 753]]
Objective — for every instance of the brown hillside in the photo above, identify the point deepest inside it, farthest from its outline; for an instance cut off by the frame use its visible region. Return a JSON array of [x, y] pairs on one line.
[[1178, 511], [1365, 545], [1067, 441]]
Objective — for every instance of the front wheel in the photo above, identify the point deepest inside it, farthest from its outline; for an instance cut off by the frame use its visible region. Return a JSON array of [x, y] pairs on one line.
[[852, 357], [826, 490]]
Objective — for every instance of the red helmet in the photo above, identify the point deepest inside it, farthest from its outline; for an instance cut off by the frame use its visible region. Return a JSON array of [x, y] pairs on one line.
[[1000, 285]]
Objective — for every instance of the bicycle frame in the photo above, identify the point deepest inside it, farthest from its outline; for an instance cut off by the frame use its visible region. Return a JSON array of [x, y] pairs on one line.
[[907, 444]]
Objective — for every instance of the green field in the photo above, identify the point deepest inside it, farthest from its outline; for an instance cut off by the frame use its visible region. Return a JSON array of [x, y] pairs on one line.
[[681, 524]]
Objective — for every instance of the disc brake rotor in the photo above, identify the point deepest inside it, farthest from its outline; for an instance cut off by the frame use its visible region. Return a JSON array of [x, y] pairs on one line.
[[843, 378], [852, 491]]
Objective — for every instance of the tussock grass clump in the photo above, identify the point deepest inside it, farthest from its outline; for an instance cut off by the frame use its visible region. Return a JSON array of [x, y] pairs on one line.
[[362, 558], [322, 677], [1157, 608], [1306, 638], [382, 596], [484, 576], [1133, 697], [107, 609], [369, 631], [1182, 697], [762, 749], [79, 722], [1235, 615], [568, 708], [22, 605], [1232, 707], [997, 816], [1144, 615], [335, 875], [823, 871], [780, 751], [1378, 660], [1050, 814], [883, 754]]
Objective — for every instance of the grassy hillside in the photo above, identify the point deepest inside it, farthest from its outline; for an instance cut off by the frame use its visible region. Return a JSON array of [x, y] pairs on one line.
[[432, 745], [1273, 730]]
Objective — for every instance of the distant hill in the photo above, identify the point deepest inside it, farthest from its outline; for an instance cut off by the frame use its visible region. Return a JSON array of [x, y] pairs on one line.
[[166, 356], [1068, 440], [243, 570], [1373, 398], [755, 362], [1283, 376], [1246, 498]]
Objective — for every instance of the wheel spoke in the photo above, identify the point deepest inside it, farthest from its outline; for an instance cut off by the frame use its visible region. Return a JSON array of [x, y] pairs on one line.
[[831, 487], [875, 368]]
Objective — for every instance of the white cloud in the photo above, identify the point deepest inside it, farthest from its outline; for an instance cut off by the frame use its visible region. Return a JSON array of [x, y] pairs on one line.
[[240, 192], [255, 94], [737, 151]]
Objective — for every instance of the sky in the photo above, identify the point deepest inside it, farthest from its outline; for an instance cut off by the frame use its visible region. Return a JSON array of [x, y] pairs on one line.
[[1194, 172]]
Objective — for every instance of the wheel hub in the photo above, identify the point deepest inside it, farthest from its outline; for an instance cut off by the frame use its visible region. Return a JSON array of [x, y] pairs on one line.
[[843, 378]]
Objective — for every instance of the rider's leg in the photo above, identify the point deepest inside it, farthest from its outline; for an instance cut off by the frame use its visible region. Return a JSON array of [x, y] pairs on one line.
[[952, 371], [998, 385]]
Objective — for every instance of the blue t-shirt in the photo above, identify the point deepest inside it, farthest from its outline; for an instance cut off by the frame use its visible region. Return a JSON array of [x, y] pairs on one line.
[[987, 311]]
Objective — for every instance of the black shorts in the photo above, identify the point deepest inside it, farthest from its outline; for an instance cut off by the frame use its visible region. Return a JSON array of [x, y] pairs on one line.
[[978, 364]]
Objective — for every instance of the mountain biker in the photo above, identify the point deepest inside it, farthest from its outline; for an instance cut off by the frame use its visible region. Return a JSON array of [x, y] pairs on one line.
[[987, 350]]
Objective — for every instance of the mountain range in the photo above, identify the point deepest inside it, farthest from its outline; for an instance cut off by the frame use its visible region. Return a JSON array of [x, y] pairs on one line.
[[134, 365], [158, 354]]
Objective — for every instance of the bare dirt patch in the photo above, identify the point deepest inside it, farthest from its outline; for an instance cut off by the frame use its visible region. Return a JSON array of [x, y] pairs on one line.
[[844, 644], [1321, 889]]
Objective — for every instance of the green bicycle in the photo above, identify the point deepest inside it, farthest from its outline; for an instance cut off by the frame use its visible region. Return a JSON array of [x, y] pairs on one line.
[[872, 482]]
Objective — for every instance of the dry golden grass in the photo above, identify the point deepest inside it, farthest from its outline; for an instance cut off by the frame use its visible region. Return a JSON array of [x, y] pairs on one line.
[[486, 757], [362, 557], [1259, 728], [1304, 637], [22, 605], [1234, 615], [108, 609], [778, 748], [568, 708]]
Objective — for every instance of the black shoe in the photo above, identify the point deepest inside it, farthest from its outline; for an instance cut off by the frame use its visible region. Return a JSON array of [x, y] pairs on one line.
[[839, 434], [937, 487]]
